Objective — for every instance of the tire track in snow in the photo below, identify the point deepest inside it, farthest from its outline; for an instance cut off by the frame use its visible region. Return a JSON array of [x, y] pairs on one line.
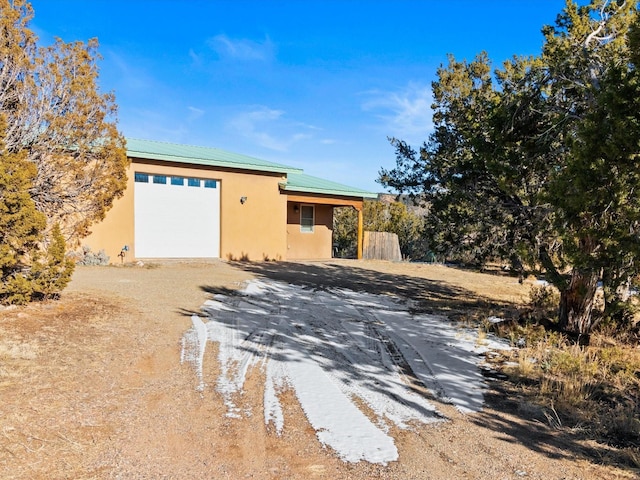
[[338, 422], [440, 356], [332, 346], [363, 370]]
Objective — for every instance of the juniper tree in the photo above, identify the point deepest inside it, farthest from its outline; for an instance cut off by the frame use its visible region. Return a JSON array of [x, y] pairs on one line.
[[29, 267], [62, 160], [537, 161], [55, 114]]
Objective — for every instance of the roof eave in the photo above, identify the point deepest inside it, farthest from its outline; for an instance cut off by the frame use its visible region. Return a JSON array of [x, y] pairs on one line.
[[323, 191], [211, 163]]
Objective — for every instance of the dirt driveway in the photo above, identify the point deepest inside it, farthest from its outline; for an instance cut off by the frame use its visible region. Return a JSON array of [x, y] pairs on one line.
[[92, 386]]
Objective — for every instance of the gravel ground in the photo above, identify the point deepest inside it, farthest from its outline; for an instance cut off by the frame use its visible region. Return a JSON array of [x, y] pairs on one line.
[[91, 386]]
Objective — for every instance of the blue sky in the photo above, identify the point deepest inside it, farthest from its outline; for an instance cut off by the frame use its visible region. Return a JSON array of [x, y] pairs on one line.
[[318, 85]]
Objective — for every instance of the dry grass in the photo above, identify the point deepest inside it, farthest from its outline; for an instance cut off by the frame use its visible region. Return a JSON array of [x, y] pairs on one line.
[[594, 389], [40, 348]]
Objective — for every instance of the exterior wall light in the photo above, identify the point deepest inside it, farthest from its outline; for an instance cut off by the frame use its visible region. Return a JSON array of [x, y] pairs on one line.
[[243, 200]]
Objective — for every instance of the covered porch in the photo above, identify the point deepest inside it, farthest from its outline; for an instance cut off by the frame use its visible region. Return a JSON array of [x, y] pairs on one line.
[[310, 204]]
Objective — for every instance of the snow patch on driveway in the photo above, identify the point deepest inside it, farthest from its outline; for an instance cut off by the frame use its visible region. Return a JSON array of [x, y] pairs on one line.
[[333, 347]]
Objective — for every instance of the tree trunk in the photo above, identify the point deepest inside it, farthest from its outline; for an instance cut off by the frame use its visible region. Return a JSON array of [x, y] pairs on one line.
[[576, 304]]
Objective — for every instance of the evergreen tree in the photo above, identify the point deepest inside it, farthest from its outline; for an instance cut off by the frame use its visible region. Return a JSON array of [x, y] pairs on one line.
[[23, 276], [538, 162], [66, 127], [345, 232]]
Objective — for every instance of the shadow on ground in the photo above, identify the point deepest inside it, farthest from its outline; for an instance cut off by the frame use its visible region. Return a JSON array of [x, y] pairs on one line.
[[513, 420], [504, 418], [430, 296]]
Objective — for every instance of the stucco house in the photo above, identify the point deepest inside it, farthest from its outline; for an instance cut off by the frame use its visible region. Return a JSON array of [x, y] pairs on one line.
[[185, 201]]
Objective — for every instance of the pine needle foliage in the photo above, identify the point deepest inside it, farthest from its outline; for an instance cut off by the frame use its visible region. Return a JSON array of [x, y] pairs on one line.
[[56, 115], [28, 269], [536, 162], [62, 160]]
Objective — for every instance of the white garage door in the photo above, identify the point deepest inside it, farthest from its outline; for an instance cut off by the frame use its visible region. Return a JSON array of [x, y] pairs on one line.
[[176, 217]]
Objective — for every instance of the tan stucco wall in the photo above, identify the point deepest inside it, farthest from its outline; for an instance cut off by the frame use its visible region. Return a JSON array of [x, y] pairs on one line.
[[309, 245], [254, 230], [116, 230]]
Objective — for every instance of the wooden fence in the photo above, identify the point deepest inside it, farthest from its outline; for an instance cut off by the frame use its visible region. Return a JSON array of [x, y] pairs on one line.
[[381, 246]]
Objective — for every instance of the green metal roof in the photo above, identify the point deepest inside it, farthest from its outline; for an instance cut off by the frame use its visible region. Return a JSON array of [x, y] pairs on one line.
[[213, 157], [300, 182]]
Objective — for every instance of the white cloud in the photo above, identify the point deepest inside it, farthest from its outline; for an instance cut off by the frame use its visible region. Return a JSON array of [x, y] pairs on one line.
[[242, 49], [195, 58], [195, 113], [405, 114], [270, 128]]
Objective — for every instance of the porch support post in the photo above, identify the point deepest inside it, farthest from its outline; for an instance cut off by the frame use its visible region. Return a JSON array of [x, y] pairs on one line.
[[360, 230]]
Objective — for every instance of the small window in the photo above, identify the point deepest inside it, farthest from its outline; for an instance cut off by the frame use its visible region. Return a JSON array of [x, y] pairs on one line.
[[306, 218], [209, 184], [160, 179], [177, 180], [194, 182], [141, 177]]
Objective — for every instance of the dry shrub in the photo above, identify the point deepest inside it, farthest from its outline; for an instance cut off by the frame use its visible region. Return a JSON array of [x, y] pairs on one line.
[[622, 422], [543, 302], [595, 387], [625, 332]]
